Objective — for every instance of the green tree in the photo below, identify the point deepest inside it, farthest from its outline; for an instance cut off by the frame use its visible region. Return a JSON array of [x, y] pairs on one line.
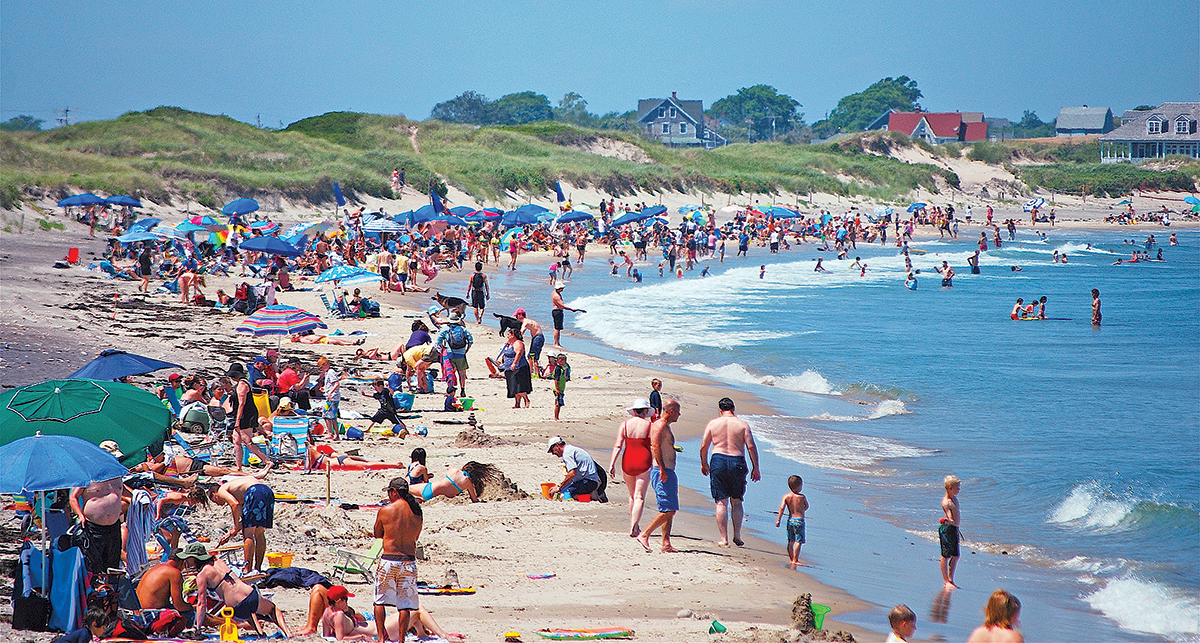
[[22, 123], [468, 107], [573, 109], [1030, 126], [523, 107], [760, 111], [624, 121], [856, 111]]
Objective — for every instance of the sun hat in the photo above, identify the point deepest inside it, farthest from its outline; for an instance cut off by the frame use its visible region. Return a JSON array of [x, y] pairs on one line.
[[285, 404], [455, 317], [194, 550], [553, 442], [559, 285], [337, 593], [639, 404], [236, 370], [111, 447]]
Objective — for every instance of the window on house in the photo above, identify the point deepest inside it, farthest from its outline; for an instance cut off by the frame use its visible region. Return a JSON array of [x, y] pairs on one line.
[[674, 112], [662, 112], [683, 128], [1182, 126], [1154, 126], [666, 128]]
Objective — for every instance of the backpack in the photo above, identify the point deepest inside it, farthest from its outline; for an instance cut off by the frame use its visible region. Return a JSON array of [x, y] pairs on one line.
[[457, 337]]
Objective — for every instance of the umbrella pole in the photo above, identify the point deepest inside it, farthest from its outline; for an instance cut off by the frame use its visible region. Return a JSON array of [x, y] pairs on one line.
[[45, 549]]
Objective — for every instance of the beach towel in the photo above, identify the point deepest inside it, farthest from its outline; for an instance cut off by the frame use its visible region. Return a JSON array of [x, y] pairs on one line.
[[586, 635], [140, 522], [67, 598], [293, 578]]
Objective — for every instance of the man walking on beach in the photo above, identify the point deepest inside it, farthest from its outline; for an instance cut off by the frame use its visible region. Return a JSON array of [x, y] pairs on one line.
[[662, 477], [98, 507], [399, 525], [478, 292], [730, 438], [536, 339], [558, 306]]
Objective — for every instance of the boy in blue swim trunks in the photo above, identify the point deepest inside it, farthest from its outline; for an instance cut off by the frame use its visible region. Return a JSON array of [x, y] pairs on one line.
[[796, 504]]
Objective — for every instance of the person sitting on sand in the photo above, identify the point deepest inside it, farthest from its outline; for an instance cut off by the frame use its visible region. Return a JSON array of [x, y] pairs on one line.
[[308, 337], [320, 601], [451, 402], [470, 478], [215, 575], [417, 472], [1000, 616]]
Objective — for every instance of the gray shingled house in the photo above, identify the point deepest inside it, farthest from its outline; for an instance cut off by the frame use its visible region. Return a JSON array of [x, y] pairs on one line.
[[1167, 130], [1081, 121], [676, 122]]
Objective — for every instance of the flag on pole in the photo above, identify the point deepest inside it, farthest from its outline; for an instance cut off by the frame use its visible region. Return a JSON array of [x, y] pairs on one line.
[[337, 194], [437, 203], [559, 192]]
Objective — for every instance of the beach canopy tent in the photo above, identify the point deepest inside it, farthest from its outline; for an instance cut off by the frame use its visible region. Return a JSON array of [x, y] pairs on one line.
[[781, 213], [113, 364], [525, 215], [145, 224], [280, 320], [137, 235], [271, 246], [89, 409], [240, 206], [87, 198], [121, 199]]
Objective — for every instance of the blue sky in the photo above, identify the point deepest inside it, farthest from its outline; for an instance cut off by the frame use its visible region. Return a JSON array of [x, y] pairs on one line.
[[280, 62]]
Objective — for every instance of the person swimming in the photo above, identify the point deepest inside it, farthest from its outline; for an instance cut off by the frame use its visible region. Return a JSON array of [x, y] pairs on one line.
[[819, 267], [1016, 311]]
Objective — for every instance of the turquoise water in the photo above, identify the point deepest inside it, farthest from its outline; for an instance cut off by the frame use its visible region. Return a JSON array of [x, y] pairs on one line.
[[1079, 448]]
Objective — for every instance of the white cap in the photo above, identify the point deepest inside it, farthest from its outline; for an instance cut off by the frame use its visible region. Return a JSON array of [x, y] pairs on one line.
[[554, 441]]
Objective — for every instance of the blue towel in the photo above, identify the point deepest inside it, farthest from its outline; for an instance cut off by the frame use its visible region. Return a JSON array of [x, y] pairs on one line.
[[67, 598], [140, 523]]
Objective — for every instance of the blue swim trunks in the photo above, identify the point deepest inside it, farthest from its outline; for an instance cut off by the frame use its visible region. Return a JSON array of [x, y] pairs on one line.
[[727, 476], [331, 409], [795, 527], [535, 346], [665, 492], [258, 507]]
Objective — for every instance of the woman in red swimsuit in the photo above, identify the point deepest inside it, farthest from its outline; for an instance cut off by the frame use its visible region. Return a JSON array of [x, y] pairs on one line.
[[634, 436]]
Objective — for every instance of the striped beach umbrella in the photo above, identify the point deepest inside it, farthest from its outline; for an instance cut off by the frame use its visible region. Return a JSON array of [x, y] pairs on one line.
[[280, 320], [1033, 203], [265, 226]]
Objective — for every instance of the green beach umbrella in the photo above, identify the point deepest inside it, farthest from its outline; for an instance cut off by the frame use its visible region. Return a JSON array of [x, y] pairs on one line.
[[89, 409]]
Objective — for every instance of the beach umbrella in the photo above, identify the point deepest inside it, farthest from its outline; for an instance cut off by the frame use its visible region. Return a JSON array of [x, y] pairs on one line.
[[524, 215], [460, 210], [634, 217], [271, 246], [339, 273], [781, 213], [1033, 203], [265, 227], [310, 228], [1191, 200], [137, 235], [87, 198], [208, 223], [113, 364], [187, 226], [507, 239], [730, 209], [167, 232], [364, 277], [88, 409], [1125, 202], [449, 219], [573, 216], [883, 210], [240, 206], [917, 206], [688, 208], [145, 224], [383, 225], [424, 214], [297, 240], [280, 320], [121, 199], [1196, 208]]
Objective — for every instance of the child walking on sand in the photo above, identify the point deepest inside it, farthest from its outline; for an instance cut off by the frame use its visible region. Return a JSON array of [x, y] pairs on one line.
[[948, 530], [796, 504], [561, 375], [904, 623]]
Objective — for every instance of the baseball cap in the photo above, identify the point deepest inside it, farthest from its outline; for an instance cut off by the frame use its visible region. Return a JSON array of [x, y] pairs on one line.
[[553, 442], [399, 484], [285, 403], [520, 311], [175, 377], [112, 447], [337, 593]]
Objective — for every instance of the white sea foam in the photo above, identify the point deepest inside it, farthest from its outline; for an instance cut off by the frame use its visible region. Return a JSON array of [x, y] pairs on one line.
[[829, 449], [1088, 505], [1153, 608], [809, 381]]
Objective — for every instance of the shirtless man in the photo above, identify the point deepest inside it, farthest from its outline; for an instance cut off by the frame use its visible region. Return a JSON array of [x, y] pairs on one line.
[[384, 263], [161, 587], [98, 506], [558, 305], [399, 525], [215, 575], [536, 339], [729, 437], [662, 476], [252, 505]]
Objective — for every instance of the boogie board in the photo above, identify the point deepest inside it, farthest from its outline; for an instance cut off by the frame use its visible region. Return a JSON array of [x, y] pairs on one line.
[[586, 635], [445, 591]]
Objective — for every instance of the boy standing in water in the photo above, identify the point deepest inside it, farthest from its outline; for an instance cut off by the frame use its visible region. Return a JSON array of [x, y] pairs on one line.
[[948, 530], [796, 504], [1095, 307]]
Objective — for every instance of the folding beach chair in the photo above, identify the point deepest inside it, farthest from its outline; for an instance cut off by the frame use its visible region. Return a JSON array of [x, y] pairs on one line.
[[289, 439], [172, 399], [204, 451], [352, 562], [330, 309]]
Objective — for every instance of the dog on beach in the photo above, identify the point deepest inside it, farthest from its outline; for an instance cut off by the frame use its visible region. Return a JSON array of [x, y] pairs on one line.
[[450, 303], [507, 322]]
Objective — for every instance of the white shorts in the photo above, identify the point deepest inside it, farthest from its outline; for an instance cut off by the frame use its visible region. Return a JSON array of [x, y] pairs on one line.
[[396, 584]]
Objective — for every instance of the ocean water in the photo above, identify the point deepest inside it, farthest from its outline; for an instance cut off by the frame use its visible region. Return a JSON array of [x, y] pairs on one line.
[[1078, 447]]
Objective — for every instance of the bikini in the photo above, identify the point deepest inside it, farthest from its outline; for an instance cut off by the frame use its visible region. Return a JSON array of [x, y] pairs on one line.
[[249, 605], [427, 490]]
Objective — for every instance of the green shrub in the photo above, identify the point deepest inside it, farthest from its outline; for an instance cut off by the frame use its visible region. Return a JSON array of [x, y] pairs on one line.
[[993, 153]]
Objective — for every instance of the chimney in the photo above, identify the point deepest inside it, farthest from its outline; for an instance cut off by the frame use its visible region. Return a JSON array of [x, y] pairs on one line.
[[673, 96]]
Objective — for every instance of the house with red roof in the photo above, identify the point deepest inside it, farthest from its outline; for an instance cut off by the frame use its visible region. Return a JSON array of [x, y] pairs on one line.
[[938, 128]]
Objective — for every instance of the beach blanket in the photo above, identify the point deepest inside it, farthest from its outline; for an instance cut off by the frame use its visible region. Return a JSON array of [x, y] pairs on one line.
[[293, 578], [586, 635]]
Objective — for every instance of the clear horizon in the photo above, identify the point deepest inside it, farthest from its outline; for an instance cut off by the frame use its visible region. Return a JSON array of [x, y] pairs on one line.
[[276, 64]]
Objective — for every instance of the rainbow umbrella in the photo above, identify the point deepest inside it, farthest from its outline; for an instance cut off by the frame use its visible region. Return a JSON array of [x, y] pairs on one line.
[[507, 239], [280, 320]]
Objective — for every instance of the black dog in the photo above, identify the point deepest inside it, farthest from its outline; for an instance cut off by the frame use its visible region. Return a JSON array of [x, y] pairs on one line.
[[507, 322], [450, 303]]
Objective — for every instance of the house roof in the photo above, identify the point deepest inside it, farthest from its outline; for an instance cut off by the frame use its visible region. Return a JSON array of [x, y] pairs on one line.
[[692, 109], [972, 117], [1134, 130], [943, 125], [976, 132], [882, 121], [1071, 118]]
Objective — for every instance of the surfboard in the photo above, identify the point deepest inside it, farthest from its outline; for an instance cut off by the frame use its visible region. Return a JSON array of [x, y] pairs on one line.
[[916, 251], [586, 635]]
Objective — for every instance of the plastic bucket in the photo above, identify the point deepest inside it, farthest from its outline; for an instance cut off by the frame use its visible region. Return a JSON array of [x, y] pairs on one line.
[[280, 559], [546, 487], [819, 612], [467, 403], [584, 497], [404, 401]]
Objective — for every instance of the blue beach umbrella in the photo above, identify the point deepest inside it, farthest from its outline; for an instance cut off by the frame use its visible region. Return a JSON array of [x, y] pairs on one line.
[[271, 246], [188, 226], [137, 235], [1191, 200], [1033, 203], [450, 219], [781, 213], [87, 198], [574, 216], [121, 199], [113, 364], [338, 273], [507, 239], [525, 215], [240, 206], [917, 206], [424, 214], [634, 217], [145, 224], [461, 210], [47, 462]]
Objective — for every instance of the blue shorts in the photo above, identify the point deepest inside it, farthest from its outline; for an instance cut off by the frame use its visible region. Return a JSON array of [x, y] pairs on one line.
[[665, 492], [795, 527], [258, 507], [535, 346], [331, 409], [559, 399], [727, 476]]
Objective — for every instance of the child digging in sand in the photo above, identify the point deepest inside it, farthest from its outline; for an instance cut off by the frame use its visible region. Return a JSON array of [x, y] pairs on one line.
[[796, 504]]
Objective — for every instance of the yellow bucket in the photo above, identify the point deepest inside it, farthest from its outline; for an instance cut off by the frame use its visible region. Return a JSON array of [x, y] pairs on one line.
[[280, 558]]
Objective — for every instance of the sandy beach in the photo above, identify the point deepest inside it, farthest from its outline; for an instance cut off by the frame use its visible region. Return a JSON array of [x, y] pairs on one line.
[[56, 320]]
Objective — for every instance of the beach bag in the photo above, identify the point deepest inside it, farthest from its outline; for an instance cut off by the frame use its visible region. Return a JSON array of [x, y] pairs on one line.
[[369, 307], [30, 612]]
